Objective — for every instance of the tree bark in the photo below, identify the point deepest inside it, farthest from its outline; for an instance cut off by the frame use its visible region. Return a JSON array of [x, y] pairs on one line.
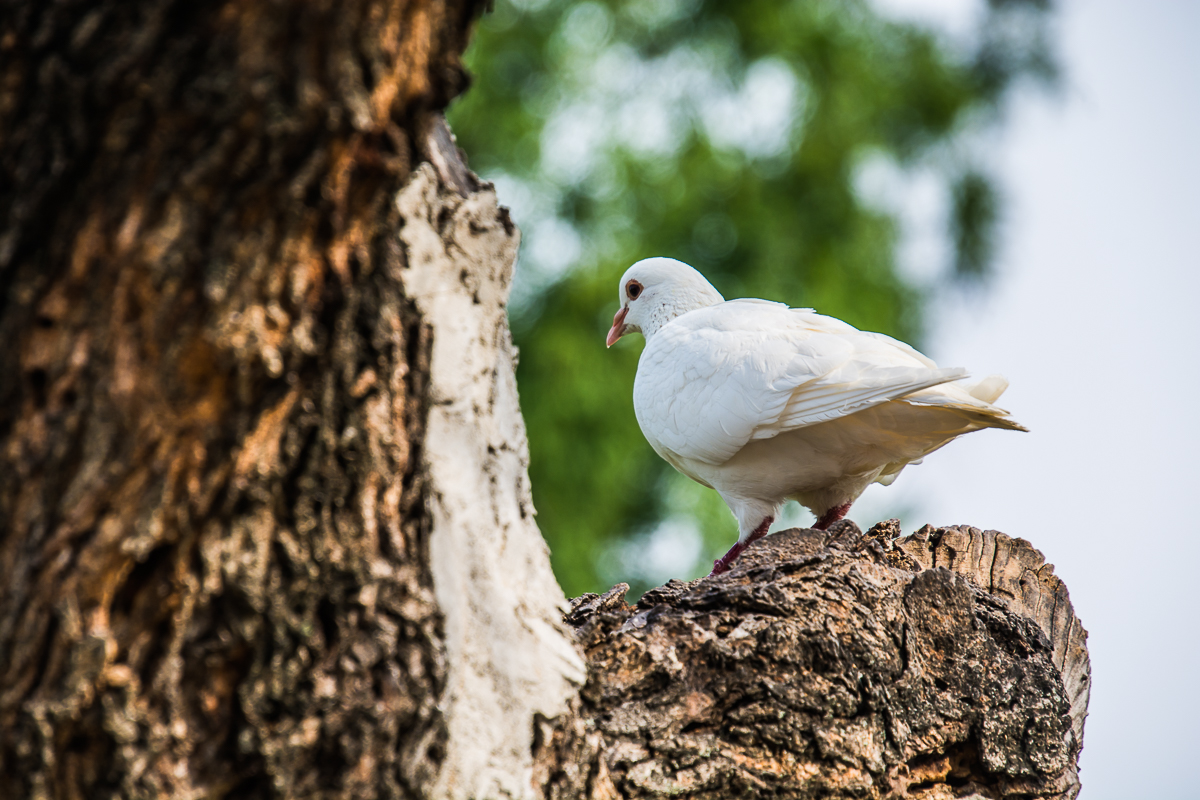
[[941, 665], [240, 371]]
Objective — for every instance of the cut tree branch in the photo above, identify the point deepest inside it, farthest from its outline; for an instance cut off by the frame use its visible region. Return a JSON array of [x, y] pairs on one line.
[[944, 664]]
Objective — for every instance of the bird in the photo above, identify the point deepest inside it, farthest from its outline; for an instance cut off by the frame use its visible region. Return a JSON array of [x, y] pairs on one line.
[[765, 403]]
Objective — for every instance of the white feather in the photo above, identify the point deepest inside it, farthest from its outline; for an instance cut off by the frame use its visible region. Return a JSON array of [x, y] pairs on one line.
[[766, 403]]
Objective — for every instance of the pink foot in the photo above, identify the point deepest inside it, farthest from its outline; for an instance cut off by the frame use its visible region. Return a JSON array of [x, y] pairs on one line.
[[723, 563], [831, 516]]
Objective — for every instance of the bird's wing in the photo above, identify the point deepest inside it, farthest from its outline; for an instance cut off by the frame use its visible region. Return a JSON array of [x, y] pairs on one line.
[[716, 378]]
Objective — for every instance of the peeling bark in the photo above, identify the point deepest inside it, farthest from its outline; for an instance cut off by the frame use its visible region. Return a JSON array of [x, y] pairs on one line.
[[509, 656], [945, 664]]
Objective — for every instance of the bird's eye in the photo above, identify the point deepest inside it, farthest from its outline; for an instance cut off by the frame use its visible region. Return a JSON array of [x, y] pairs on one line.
[[633, 290]]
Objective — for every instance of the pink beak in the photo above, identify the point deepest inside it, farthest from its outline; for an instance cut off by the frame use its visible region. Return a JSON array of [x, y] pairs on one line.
[[618, 328]]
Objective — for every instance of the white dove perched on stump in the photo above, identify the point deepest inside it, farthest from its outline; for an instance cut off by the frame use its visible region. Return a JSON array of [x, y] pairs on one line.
[[766, 403]]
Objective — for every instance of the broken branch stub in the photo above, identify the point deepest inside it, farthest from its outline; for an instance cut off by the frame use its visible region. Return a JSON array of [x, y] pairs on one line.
[[944, 664]]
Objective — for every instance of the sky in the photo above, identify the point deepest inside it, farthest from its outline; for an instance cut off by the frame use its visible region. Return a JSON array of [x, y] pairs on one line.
[[1093, 318]]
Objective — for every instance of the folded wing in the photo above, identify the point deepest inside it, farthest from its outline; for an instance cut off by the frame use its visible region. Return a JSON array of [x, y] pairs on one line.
[[716, 378]]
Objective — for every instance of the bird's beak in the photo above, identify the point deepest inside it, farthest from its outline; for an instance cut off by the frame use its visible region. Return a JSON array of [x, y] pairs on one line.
[[618, 328]]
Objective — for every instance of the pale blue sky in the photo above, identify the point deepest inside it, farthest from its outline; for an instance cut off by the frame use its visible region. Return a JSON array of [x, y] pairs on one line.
[[1095, 319]]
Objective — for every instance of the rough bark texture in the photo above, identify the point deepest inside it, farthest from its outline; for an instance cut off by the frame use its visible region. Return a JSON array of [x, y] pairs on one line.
[[219, 521], [945, 664]]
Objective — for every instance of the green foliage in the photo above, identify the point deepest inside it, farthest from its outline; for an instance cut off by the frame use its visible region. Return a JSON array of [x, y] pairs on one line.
[[973, 223], [731, 134]]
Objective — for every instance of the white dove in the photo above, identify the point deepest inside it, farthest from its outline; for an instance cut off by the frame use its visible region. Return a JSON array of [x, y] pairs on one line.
[[766, 403]]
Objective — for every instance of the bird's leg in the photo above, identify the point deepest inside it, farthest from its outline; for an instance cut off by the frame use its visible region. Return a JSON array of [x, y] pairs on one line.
[[723, 563], [831, 516]]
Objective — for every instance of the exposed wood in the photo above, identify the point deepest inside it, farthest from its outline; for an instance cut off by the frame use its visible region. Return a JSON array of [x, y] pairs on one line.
[[837, 665], [508, 655], [1016, 572]]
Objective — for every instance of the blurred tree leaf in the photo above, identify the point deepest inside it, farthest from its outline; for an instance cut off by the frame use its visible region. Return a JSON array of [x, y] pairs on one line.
[[732, 135], [973, 221]]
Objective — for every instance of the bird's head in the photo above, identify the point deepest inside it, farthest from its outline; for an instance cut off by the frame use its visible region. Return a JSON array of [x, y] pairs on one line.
[[655, 291]]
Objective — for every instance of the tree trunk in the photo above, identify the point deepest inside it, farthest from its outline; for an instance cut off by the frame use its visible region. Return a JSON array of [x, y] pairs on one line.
[[265, 527], [945, 664], [256, 448]]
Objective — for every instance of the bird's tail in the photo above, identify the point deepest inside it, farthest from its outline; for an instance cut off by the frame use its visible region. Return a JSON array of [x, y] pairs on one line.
[[988, 389], [974, 402], [992, 418]]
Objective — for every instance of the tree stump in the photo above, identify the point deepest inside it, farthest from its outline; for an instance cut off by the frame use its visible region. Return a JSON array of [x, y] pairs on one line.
[[941, 665]]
